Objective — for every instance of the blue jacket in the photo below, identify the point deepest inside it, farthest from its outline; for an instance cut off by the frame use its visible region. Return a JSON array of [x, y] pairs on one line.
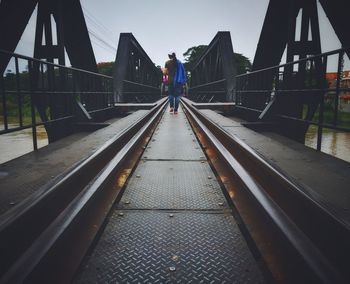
[[180, 74]]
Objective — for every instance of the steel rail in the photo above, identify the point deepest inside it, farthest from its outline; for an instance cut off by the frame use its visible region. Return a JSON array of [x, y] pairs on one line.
[[276, 211], [57, 253], [32, 217]]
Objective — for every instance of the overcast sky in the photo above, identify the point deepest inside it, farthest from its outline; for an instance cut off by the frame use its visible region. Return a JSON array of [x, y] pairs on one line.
[[161, 25]]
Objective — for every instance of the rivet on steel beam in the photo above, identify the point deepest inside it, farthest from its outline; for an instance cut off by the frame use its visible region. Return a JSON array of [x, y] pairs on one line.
[[171, 215], [221, 204], [172, 268], [209, 177], [121, 214], [138, 176], [202, 162], [127, 202], [175, 258], [12, 203]]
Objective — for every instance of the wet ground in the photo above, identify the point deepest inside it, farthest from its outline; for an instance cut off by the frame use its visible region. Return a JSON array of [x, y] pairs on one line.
[[18, 143], [333, 142]]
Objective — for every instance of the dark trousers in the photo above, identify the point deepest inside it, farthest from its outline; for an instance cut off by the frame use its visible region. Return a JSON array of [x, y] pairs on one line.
[[174, 96]]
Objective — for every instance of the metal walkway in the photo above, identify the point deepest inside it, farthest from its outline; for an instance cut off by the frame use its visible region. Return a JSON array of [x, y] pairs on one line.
[[173, 223]]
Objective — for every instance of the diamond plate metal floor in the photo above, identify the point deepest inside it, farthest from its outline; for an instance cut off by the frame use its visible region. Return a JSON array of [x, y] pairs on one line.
[[174, 140], [173, 224], [173, 185]]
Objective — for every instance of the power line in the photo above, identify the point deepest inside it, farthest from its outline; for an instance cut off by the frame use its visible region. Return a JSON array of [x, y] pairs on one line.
[[97, 37], [99, 24], [100, 29], [102, 33], [103, 47]]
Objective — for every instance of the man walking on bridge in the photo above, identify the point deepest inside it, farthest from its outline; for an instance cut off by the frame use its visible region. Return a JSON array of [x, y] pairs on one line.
[[176, 80]]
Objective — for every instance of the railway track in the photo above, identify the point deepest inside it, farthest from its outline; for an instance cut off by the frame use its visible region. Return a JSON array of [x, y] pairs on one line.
[[299, 240], [290, 231], [46, 236]]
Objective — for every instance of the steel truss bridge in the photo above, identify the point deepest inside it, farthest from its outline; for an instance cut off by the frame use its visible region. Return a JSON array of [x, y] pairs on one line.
[[295, 238]]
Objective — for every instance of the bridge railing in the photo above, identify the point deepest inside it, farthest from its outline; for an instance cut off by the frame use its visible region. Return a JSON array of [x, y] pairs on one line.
[[304, 80], [208, 92], [212, 76], [35, 92], [136, 78]]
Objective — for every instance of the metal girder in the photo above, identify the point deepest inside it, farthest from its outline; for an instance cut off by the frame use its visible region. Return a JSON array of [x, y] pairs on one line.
[[44, 48], [14, 17], [73, 36], [337, 12], [215, 70], [274, 35], [279, 19], [76, 36], [279, 33], [136, 78]]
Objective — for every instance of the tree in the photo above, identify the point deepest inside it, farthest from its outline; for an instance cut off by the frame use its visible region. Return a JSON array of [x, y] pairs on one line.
[[243, 63], [105, 68], [192, 54]]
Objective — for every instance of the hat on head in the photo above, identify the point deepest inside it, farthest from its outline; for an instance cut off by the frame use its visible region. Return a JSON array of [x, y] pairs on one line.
[[172, 53]]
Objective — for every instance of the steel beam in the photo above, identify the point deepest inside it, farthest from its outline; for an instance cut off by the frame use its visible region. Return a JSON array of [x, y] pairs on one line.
[[76, 36], [14, 17], [136, 78], [215, 65], [337, 12]]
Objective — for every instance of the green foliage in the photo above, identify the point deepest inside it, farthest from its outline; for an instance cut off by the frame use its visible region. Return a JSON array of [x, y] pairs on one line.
[[105, 68], [13, 98], [343, 119], [243, 63], [192, 54]]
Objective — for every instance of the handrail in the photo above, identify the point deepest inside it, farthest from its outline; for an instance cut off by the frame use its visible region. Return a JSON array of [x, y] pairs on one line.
[[52, 64], [52, 91], [268, 87], [297, 61]]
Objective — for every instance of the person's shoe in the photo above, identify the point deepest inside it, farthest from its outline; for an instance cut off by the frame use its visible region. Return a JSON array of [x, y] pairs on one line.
[[175, 112], [171, 109]]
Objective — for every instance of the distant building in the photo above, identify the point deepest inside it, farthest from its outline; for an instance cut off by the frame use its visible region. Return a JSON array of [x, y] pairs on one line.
[[344, 95]]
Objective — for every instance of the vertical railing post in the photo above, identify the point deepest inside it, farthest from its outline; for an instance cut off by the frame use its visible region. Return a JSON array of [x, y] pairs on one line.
[[50, 83], [320, 125], [323, 85], [32, 106], [4, 104], [339, 71], [19, 95]]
